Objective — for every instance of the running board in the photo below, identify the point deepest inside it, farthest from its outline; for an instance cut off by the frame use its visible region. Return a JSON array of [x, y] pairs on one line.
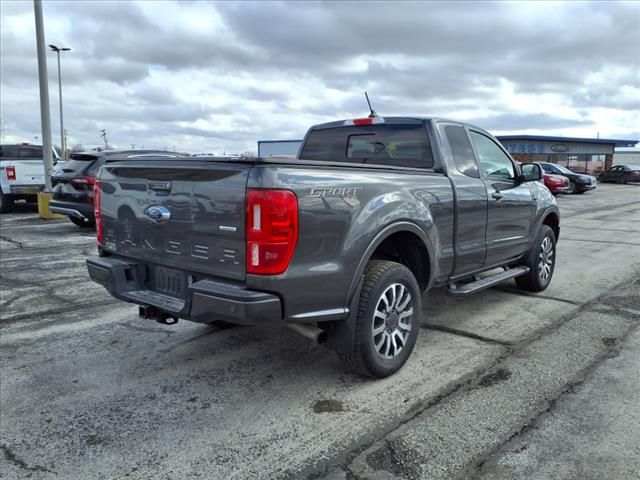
[[473, 287]]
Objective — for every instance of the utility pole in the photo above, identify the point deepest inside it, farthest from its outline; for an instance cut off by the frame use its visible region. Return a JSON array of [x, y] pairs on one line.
[[103, 134], [64, 149], [45, 119], [133, 146]]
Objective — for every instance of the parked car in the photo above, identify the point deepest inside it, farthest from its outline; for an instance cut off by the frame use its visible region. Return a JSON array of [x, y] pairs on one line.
[[339, 243], [21, 173], [556, 183], [578, 183], [621, 174], [73, 182]]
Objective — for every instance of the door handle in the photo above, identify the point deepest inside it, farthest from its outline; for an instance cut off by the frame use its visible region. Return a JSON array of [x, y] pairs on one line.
[[159, 186], [497, 195]]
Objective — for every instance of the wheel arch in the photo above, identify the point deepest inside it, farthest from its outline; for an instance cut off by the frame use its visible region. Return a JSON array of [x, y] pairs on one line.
[[552, 219], [416, 253]]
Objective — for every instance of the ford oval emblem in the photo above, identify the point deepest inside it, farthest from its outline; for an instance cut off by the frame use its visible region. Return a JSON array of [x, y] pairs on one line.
[[158, 214]]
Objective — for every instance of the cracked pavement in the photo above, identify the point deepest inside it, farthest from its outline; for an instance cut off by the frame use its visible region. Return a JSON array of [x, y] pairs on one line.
[[502, 385]]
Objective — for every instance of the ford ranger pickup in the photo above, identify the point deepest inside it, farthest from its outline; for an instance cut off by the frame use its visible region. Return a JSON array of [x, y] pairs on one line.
[[339, 243]]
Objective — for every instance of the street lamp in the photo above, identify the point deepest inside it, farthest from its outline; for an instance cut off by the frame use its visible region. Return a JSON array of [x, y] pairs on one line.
[[62, 142]]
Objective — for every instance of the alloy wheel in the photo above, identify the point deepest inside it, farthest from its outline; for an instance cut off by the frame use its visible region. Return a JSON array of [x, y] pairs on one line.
[[545, 260], [392, 320]]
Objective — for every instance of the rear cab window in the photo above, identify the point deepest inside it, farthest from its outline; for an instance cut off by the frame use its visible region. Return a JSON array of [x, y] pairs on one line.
[[22, 152], [397, 145]]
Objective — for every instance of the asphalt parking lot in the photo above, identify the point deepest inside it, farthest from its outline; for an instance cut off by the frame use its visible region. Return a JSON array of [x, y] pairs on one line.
[[501, 385]]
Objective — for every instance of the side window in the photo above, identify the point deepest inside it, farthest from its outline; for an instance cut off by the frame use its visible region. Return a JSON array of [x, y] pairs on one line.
[[493, 161], [461, 150]]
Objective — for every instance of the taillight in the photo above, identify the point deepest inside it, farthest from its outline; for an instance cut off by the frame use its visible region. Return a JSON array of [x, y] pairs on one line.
[[83, 180], [97, 212], [272, 230], [11, 172]]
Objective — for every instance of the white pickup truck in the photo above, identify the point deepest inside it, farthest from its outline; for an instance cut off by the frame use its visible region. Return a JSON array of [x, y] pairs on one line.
[[21, 173]]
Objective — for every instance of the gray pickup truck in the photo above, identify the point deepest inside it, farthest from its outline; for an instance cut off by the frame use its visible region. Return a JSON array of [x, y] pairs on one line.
[[338, 243]]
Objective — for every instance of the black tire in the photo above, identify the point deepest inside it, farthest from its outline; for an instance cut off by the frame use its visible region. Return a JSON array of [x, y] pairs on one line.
[[535, 281], [380, 278], [621, 181], [6, 203], [572, 187], [81, 222]]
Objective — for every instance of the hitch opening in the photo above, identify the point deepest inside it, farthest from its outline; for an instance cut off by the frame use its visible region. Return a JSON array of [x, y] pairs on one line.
[[159, 316]]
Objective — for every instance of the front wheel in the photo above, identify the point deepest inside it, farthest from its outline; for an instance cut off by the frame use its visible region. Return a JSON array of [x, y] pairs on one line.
[[83, 222], [388, 320], [572, 187], [541, 261]]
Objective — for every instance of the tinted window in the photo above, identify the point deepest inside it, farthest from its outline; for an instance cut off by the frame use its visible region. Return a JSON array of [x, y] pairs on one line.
[[78, 163], [31, 152], [461, 150], [397, 145], [21, 151], [93, 170], [493, 161]]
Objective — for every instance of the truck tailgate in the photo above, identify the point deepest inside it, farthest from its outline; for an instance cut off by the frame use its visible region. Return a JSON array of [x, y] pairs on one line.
[[179, 217]]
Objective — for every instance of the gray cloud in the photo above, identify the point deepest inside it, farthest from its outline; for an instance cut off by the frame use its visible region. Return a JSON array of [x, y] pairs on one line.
[[223, 75]]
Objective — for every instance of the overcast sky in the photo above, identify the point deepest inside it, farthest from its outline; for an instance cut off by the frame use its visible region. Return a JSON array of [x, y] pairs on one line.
[[210, 77]]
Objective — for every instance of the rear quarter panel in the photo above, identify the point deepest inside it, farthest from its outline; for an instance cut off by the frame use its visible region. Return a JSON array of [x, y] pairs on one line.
[[341, 211]]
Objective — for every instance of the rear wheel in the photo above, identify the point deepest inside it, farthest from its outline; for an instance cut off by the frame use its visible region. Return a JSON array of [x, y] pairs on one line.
[[541, 261], [388, 320], [83, 222]]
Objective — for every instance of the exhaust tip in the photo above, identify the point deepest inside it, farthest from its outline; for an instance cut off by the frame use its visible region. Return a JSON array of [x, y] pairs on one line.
[[313, 333]]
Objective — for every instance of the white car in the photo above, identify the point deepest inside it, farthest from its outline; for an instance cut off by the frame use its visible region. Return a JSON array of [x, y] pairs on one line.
[[21, 173]]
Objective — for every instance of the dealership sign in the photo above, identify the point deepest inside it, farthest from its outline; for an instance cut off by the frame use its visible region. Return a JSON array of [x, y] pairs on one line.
[[526, 147]]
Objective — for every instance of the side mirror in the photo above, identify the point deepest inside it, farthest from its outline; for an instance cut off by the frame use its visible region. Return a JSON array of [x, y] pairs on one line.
[[531, 172]]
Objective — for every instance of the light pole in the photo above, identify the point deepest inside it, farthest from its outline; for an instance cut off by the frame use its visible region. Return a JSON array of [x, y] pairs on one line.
[[62, 143]]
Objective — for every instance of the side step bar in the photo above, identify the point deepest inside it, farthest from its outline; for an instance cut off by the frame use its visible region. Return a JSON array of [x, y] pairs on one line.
[[473, 287]]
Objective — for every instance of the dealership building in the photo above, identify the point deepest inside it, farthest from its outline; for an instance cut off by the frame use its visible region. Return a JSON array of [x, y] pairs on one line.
[[582, 155]]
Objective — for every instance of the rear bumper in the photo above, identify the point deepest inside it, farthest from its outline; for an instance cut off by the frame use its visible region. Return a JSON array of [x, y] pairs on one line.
[[72, 209], [25, 189], [206, 300]]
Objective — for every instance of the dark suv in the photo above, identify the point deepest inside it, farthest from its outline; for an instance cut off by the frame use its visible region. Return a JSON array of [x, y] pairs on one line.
[[73, 181]]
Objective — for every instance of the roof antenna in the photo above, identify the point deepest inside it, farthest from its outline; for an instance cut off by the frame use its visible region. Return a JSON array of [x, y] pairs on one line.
[[373, 114]]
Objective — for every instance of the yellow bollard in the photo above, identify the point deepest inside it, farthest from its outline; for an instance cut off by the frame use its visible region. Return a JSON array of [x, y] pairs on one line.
[[43, 207]]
